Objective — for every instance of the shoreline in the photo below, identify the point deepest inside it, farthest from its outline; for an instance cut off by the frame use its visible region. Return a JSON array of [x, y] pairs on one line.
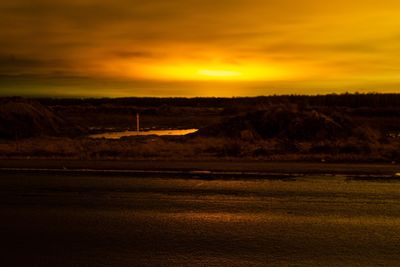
[[201, 168]]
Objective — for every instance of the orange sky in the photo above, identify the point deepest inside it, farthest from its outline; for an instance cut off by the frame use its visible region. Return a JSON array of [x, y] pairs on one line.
[[198, 47]]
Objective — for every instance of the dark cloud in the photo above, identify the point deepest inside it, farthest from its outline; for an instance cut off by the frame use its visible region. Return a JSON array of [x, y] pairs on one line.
[[136, 54], [15, 61], [11, 64], [293, 47], [12, 61]]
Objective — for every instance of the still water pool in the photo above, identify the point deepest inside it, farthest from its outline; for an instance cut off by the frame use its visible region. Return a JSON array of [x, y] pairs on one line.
[[118, 135]]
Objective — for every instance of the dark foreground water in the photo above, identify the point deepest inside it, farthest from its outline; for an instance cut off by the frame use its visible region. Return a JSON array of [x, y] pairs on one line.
[[77, 220]]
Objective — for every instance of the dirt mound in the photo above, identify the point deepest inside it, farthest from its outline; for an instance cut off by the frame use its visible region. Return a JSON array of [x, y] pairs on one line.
[[21, 118], [287, 123]]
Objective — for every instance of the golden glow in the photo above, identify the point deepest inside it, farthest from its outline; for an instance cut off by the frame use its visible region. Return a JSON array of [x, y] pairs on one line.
[[200, 72], [220, 73], [209, 73]]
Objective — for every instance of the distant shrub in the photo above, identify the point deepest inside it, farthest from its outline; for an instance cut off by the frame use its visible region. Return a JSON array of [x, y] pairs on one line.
[[288, 122]]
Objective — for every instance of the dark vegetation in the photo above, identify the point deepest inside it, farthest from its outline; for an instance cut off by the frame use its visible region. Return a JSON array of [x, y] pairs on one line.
[[379, 111], [292, 123], [348, 127], [21, 118]]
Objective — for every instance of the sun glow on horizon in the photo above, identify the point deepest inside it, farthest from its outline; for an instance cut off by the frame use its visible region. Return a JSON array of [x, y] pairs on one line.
[[166, 71], [220, 73]]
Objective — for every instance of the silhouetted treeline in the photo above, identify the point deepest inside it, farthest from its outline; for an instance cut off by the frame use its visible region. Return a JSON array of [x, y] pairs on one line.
[[371, 100]]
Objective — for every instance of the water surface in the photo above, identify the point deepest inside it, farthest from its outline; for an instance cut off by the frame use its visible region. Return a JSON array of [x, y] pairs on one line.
[[88, 220], [118, 135]]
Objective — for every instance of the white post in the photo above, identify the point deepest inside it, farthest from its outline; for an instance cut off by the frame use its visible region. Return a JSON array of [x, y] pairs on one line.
[[137, 123]]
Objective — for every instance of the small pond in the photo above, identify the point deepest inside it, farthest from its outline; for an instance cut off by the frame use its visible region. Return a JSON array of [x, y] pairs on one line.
[[118, 135]]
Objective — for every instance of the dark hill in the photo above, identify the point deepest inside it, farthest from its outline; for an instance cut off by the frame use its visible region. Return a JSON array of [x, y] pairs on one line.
[[21, 118], [288, 123]]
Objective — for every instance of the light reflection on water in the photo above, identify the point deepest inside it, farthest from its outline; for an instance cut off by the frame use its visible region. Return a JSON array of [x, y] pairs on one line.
[[121, 221], [118, 135]]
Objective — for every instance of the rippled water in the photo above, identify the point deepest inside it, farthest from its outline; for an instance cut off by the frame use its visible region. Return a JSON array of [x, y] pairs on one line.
[[118, 135], [82, 220]]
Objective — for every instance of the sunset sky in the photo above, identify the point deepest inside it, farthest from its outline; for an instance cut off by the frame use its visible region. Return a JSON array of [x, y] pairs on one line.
[[198, 47]]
